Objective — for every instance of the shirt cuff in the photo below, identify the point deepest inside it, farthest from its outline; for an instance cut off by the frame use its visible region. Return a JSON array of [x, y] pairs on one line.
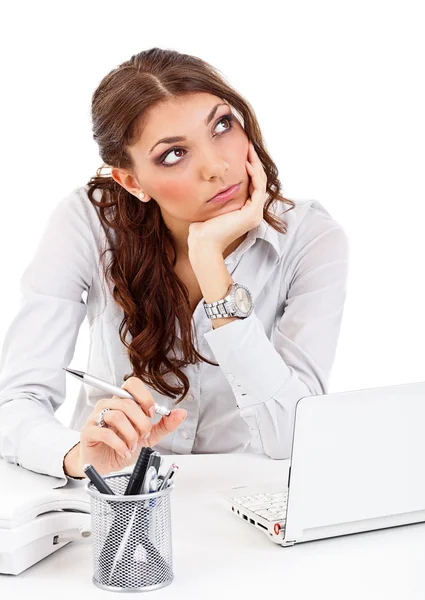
[[70, 439], [253, 367]]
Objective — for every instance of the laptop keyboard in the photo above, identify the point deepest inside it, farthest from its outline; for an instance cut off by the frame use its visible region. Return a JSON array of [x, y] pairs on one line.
[[271, 507]]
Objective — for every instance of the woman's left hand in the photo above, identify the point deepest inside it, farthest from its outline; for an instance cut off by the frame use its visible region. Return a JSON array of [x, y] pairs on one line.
[[219, 232]]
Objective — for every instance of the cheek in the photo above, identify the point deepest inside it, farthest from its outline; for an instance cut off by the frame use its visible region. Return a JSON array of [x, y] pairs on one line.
[[239, 148], [173, 192]]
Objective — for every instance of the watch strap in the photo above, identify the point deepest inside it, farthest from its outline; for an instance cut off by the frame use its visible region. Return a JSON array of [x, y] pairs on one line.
[[226, 307], [220, 308]]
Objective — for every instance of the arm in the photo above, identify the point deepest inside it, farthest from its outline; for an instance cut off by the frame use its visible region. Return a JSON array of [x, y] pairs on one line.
[[269, 377], [213, 278], [41, 340]]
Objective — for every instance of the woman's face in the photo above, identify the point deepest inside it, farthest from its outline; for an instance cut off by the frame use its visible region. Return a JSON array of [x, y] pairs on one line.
[[181, 176]]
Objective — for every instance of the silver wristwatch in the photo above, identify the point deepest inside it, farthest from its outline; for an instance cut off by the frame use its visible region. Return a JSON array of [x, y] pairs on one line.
[[237, 303]]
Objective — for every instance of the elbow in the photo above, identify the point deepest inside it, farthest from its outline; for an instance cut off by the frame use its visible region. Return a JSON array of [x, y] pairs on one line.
[[7, 450], [280, 447], [278, 453]]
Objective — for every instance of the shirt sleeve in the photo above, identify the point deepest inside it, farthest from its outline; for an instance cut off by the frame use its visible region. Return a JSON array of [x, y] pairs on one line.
[[269, 377], [41, 340]]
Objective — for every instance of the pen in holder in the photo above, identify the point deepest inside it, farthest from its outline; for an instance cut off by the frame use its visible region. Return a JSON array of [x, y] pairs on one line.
[[132, 545]]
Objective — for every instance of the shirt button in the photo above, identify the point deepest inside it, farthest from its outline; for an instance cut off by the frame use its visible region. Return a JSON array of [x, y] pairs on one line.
[[189, 397], [185, 434], [230, 377]]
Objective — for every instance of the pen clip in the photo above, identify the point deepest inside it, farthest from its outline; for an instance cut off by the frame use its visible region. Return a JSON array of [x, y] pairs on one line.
[[153, 487], [151, 474]]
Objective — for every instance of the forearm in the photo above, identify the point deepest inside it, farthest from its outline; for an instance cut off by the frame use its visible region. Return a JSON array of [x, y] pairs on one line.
[[213, 277]]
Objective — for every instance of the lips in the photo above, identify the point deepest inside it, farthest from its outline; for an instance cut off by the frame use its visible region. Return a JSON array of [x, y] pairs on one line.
[[223, 191]]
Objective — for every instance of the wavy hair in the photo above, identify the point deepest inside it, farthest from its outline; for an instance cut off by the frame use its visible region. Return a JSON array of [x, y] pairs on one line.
[[145, 284]]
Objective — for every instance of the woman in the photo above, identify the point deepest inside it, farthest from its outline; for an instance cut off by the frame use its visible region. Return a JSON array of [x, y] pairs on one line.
[[173, 252]]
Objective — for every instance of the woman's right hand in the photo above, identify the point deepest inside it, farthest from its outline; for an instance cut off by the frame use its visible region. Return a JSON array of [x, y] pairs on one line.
[[128, 429]]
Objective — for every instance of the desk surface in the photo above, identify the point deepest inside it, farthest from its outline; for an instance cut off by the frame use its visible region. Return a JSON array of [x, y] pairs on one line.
[[217, 555]]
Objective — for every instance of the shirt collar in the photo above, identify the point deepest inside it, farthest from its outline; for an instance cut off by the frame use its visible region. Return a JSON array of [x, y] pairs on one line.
[[263, 231], [267, 233]]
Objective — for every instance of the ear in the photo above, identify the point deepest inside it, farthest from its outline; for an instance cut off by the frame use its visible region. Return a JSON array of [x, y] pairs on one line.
[[126, 180]]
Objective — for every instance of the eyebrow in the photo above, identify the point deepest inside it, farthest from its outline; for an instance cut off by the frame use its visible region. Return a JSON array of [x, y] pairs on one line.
[[179, 138]]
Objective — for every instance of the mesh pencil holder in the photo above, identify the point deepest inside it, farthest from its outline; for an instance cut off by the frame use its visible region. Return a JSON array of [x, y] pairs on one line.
[[131, 535]]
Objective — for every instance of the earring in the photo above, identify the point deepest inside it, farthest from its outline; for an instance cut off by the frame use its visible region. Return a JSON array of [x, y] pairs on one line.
[[141, 195]]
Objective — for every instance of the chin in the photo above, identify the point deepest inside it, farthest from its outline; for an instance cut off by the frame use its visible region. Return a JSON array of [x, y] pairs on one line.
[[233, 204]]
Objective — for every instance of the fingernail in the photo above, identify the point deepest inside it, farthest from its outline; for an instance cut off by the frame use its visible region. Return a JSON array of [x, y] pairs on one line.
[[152, 412], [146, 435], [128, 454], [134, 447]]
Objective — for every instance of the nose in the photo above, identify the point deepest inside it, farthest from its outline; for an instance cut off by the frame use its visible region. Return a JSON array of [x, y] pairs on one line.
[[213, 164]]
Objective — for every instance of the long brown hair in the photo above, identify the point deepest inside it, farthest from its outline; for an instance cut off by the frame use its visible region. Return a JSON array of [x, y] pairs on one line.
[[145, 283]]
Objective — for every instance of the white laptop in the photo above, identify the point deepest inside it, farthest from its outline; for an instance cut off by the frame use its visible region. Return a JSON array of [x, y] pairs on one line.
[[357, 464]]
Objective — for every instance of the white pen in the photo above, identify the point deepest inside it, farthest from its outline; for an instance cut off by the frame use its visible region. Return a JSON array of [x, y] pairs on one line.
[[169, 475], [112, 389], [149, 482]]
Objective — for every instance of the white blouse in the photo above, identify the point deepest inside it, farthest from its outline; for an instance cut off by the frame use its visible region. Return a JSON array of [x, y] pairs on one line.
[[282, 352]]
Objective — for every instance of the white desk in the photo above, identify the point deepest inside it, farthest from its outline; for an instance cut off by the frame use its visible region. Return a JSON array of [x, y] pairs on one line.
[[217, 555]]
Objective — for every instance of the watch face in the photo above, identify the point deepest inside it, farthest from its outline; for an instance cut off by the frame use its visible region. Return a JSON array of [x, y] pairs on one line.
[[242, 300]]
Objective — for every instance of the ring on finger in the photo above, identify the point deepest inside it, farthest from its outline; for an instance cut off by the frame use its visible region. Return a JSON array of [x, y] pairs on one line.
[[100, 422]]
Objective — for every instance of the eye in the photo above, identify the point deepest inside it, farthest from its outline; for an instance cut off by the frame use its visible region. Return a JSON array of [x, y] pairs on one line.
[[228, 118]]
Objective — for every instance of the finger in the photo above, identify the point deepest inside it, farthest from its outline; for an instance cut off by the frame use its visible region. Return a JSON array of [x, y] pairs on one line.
[[256, 164], [250, 171], [93, 434], [141, 394], [252, 152], [257, 174], [253, 156], [257, 197], [258, 194], [122, 426], [166, 425], [132, 410]]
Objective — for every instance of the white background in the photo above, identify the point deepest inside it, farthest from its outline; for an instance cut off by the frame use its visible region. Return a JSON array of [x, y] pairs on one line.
[[338, 90]]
